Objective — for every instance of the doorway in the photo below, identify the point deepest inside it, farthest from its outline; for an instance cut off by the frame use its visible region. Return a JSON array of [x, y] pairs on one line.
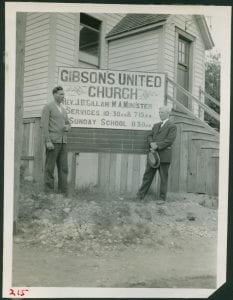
[[183, 69]]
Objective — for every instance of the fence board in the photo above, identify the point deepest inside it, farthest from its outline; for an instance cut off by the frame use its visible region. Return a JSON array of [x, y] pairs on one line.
[[118, 171], [39, 153], [104, 163], [201, 171], [215, 161], [112, 173], [69, 158], [86, 169], [31, 148], [130, 172], [175, 163], [183, 162], [124, 167], [136, 173], [73, 171], [193, 152], [213, 171]]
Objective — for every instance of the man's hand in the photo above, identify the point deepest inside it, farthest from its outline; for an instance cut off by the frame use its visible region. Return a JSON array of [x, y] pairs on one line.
[[154, 145], [49, 146], [67, 127]]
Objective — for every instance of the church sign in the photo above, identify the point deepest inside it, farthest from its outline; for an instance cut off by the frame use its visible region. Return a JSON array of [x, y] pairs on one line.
[[112, 99]]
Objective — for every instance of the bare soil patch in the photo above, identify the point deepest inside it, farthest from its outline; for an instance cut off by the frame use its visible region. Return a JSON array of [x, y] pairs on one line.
[[94, 239]]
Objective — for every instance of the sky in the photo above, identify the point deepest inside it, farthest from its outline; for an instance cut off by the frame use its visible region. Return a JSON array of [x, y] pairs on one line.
[[216, 30]]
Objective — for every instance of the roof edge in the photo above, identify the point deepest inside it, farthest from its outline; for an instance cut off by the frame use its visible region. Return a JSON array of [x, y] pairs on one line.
[[205, 32], [134, 31]]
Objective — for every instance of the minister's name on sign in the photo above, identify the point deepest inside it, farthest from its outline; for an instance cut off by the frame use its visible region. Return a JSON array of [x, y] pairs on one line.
[[112, 99]]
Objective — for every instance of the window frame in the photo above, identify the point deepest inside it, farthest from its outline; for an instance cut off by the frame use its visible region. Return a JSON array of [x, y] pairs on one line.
[[84, 56]]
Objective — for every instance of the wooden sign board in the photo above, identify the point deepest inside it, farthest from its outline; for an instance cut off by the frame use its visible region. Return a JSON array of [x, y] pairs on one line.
[[112, 99]]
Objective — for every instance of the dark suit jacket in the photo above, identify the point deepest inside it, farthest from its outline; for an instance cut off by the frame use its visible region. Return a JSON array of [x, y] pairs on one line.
[[164, 137], [53, 122]]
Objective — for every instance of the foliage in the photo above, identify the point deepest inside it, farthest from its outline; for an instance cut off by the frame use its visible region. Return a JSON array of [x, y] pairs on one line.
[[212, 86]]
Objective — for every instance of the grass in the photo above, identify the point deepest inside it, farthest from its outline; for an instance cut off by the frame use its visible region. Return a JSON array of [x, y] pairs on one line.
[[88, 215], [91, 218]]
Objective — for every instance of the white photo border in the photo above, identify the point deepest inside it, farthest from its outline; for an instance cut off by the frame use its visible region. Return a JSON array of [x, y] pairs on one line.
[[10, 60]]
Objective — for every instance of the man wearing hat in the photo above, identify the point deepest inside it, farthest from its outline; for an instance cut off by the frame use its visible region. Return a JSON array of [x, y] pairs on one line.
[[159, 140]]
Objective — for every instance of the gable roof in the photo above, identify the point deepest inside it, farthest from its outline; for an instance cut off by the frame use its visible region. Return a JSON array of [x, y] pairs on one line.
[[205, 33], [136, 21]]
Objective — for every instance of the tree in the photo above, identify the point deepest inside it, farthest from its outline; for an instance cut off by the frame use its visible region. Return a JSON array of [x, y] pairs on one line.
[[212, 86]]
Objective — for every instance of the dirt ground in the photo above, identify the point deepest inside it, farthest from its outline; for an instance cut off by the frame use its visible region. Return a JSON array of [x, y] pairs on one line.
[[93, 239]]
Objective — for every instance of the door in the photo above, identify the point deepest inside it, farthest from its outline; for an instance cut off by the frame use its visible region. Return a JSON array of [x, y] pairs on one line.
[[183, 69]]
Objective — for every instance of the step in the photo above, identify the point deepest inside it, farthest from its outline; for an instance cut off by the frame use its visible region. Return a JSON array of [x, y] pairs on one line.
[[192, 128], [196, 122], [203, 139], [210, 147], [189, 123], [183, 116], [199, 144], [198, 131]]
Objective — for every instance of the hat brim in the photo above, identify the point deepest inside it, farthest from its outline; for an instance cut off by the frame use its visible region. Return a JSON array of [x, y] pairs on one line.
[[153, 159]]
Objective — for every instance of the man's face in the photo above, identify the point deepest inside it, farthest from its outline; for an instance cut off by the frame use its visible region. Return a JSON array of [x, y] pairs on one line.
[[163, 114], [59, 96]]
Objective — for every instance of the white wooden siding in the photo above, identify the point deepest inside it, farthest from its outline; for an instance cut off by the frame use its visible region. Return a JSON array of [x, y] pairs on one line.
[[111, 21], [138, 52], [65, 42], [39, 38], [36, 63]]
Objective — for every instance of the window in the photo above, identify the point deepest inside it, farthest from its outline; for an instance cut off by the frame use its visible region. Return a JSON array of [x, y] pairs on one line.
[[183, 52], [89, 37]]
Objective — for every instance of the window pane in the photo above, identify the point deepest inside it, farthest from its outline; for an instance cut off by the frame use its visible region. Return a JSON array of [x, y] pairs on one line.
[[183, 47], [180, 46], [89, 35], [89, 40], [183, 58], [178, 56]]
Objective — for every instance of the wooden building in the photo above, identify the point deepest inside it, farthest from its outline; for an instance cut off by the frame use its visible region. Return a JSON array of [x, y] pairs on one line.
[[171, 44]]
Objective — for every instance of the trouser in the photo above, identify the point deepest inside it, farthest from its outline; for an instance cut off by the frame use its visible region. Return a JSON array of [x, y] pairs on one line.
[[149, 176], [57, 156]]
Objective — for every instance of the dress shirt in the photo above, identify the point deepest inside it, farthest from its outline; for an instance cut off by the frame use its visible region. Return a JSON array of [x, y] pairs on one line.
[[163, 122], [58, 106]]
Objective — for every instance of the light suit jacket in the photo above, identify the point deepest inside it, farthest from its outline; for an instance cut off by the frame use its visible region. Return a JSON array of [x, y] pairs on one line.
[[53, 123]]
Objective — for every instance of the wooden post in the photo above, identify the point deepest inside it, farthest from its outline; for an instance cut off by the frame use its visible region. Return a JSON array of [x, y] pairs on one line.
[[39, 154], [200, 111], [19, 79]]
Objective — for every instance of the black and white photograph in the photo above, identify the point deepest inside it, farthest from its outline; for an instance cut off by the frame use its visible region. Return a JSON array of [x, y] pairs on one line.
[[116, 150]]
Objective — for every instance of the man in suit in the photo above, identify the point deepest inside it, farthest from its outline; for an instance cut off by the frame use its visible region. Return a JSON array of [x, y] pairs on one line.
[[160, 139], [55, 126]]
